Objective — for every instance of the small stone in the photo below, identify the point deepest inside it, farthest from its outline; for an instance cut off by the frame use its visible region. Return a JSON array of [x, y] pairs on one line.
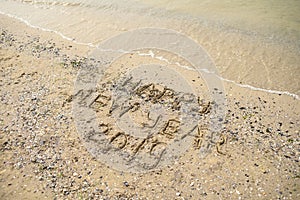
[[126, 183], [269, 130], [178, 193]]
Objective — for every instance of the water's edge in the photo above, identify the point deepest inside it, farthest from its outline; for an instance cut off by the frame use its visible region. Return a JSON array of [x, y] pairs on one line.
[[151, 54]]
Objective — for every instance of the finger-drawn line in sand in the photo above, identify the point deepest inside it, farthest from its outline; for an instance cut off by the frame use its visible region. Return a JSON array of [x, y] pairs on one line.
[[148, 115]]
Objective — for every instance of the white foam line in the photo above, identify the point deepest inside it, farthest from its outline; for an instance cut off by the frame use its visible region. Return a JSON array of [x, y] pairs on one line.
[[151, 54], [261, 89], [147, 54], [47, 30], [113, 50], [224, 79]]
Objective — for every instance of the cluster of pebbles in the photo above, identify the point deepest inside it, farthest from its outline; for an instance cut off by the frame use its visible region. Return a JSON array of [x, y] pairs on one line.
[[42, 155]]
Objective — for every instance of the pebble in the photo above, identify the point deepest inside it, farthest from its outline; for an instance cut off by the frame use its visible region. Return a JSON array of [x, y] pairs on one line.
[[126, 183]]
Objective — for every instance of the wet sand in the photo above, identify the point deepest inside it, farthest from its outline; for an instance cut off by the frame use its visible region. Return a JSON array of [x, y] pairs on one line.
[[43, 156]]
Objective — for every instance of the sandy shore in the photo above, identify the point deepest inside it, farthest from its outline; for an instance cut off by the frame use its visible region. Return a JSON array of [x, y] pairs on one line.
[[43, 157]]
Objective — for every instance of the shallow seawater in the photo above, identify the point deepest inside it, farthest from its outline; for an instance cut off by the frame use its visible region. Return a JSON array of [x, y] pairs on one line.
[[252, 43], [268, 17]]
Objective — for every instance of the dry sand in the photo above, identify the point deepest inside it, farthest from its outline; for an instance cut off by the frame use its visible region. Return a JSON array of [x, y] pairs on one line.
[[42, 155]]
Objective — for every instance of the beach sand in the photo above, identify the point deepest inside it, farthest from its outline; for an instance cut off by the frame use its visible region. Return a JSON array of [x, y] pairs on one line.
[[44, 157]]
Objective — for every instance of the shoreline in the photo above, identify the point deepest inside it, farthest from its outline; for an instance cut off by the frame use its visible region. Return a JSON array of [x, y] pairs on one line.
[[249, 59], [95, 46]]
